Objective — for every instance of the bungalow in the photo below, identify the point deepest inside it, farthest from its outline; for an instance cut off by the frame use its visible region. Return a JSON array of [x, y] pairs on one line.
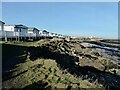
[[2, 26], [45, 33], [40, 32], [60, 36], [51, 34], [33, 31], [2, 29], [19, 30], [56, 35]]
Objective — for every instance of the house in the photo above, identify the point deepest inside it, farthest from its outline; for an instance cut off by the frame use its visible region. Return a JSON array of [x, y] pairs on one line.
[[17, 29], [2, 34], [60, 36], [56, 35], [2, 26], [33, 31], [51, 34], [45, 33], [40, 32]]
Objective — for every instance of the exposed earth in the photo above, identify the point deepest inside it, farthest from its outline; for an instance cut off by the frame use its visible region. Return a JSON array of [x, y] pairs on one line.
[[57, 63]]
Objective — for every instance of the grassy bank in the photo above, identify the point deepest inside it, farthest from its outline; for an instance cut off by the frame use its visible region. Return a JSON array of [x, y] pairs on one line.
[[49, 64]]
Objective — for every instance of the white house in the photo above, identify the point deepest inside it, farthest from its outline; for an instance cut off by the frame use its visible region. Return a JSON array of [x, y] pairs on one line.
[[60, 36], [91, 37], [40, 32], [2, 26], [56, 35], [2, 29], [16, 30], [51, 34], [45, 33], [33, 31]]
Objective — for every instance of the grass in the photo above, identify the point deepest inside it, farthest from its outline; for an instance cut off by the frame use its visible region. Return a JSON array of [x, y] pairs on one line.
[[34, 43], [30, 73], [43, 73]]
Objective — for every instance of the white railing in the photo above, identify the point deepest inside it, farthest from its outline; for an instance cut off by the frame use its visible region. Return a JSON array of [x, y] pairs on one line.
[[12, 34], [8, 34], [31, 34], [16, 34]]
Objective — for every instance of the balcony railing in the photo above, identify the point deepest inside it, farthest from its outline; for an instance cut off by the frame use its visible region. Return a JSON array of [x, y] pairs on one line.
[[12, 34]]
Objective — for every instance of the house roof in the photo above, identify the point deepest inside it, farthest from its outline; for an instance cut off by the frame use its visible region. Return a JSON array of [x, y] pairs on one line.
[[32, 28], [44, 30], [2, 22], [18, 26]]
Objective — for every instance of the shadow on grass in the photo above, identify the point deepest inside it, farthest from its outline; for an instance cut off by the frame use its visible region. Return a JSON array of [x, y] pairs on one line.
[[65, 61], [38, 85], [34, 86], [11, 56]]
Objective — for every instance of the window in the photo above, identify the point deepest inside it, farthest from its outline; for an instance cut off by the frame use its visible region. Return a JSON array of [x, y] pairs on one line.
[[18, 30]]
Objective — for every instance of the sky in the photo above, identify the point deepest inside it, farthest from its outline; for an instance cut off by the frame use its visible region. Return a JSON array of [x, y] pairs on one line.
[[99, 19]]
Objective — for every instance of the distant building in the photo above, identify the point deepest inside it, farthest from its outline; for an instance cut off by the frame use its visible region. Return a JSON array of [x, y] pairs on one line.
[[21, 29], [40, 32], [33, 31], [60, 36], [45, 33], [2, 26], [22, 32], [56, 35], [91, 37], [52, 34]]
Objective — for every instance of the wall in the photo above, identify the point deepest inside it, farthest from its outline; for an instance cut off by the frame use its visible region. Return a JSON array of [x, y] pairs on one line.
[[1, 26], [8, 28], [36, 31]]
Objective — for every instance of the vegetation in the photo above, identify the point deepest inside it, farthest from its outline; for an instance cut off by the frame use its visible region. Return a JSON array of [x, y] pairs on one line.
[[52, 64]]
